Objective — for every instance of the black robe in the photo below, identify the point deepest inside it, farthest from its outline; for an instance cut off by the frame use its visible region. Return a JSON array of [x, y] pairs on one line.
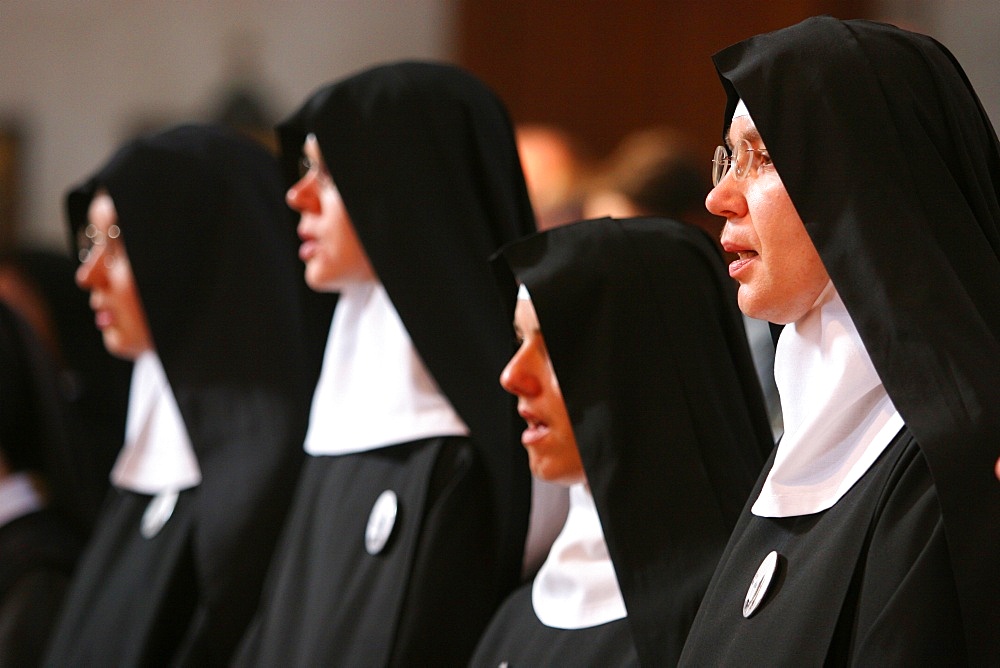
[[38, 552], [211, 245], [887, 537], [38, 549], [424, 158], [894, 168], [641, 325]]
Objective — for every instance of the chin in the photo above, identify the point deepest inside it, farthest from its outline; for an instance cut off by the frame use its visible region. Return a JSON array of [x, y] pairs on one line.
[[320, 283]]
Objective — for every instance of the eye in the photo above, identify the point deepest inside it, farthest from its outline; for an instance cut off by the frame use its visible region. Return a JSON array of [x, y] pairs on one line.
[[765, 157]]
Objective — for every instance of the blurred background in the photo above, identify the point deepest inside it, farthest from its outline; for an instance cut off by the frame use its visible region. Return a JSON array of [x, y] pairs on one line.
[[79, 77]]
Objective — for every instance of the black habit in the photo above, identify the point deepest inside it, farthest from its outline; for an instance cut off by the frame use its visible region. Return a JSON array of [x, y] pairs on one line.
[[424, 158], [641, 324], [211, 245], [894, 167]]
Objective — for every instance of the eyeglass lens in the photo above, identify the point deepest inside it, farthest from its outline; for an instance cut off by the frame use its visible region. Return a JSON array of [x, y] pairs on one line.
[[91, 236], [740, 162]]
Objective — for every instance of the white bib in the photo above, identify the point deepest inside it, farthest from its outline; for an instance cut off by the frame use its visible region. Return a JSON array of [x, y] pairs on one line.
[[837, 416]]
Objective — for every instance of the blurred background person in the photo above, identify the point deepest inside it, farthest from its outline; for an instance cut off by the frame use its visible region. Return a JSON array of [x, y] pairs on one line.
[[554, 171], [40, 533], [39, 284], [652, 172]]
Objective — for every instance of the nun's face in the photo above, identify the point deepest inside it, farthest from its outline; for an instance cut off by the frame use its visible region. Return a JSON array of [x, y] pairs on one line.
[[778, 269], [552, 452], [330, 247], [107, 274]]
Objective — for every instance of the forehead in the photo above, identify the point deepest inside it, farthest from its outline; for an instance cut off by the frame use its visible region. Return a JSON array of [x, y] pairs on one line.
[[311, 147], [525, 318], [743, 127], [101, 213]]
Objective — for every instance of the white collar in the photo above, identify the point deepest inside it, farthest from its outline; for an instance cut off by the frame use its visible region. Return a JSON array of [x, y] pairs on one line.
[[838, 417], [374, 390], [576, 587], [157, 455], [18, 497]]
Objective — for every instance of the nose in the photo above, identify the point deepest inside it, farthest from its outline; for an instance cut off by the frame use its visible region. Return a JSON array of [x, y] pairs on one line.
[[92, 271], [726, 200], [519, 376], [303, 196]]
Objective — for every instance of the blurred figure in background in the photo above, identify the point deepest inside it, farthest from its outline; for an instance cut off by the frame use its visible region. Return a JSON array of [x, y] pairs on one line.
[[40, 535], [39, 285], [652, 172], [554, 171]]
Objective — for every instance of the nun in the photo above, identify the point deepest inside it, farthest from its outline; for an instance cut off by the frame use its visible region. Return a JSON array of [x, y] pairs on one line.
[[41, 535], [185, 241], [635, 379], [408, 528], [860, 183]]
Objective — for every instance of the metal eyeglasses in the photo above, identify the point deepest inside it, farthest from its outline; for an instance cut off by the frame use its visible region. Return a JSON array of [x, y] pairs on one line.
[[743, 160], [90, 238]]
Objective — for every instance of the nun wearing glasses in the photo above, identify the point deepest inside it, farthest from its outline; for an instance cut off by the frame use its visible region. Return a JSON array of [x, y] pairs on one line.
[[860, 183], [187, 253]]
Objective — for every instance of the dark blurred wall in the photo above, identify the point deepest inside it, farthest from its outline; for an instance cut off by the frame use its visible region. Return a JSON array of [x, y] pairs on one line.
[[600, 68]]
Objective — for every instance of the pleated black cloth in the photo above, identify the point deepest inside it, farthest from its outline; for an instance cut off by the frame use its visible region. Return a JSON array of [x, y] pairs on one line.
[[893, 165], [641, 324], [212, 248], [424, 158]]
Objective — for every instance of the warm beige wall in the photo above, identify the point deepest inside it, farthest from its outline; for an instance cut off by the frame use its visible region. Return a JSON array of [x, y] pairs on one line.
[[79, 74]]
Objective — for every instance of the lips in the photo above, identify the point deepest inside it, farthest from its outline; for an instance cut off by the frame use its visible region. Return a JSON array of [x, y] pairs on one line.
[[536, 430], [307, 250], [102, 318], [744, 257]]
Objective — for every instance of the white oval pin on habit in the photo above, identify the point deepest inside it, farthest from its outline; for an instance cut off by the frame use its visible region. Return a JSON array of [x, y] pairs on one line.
[[381, 522], [760, 584]]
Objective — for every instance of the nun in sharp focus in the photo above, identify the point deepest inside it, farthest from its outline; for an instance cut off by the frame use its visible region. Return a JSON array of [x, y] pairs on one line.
[[861, 186]]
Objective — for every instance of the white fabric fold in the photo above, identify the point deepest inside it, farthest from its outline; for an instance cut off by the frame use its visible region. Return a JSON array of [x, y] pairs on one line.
[[838, 417], [576, 587], [374, 390], [157, 455]]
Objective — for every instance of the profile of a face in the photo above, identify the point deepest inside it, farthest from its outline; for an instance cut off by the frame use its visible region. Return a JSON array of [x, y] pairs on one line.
[[779, 271], [331, 250], [105, 271], [552, 450]]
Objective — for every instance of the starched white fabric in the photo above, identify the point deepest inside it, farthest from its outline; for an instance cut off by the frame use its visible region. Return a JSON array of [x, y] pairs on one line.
[[157, 455], [549, 507], [741, 110], [838, 417], [18, 497], [374, 390], [576, 587]]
